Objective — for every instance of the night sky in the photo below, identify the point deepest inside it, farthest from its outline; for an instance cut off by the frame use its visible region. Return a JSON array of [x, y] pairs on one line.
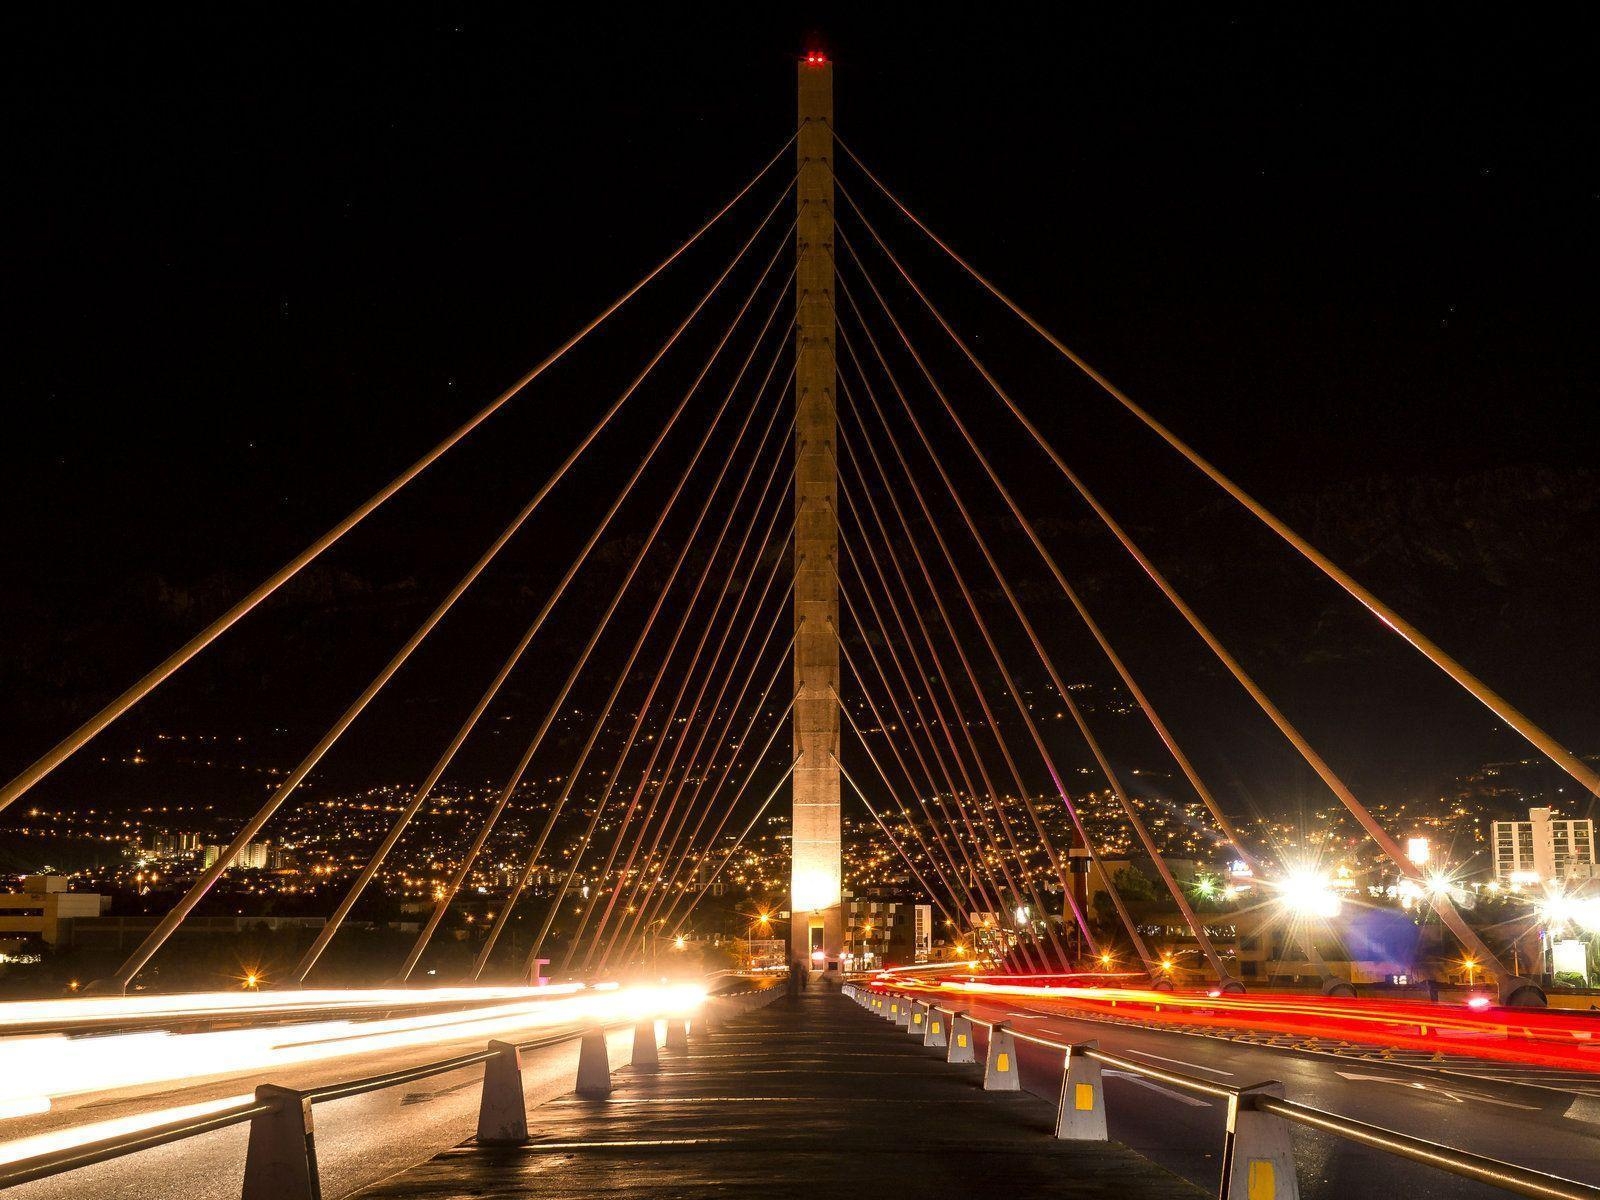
[[251, 268]]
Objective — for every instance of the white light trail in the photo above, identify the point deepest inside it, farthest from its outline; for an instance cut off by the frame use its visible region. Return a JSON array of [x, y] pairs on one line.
[[84, 1009], [35, 1070]]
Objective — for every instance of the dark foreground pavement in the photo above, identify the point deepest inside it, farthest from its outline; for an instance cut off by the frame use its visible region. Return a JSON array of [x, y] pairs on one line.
[[800, 1098]]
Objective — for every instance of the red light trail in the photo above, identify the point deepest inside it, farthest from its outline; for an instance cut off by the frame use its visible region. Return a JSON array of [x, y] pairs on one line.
[[1481, 1030]]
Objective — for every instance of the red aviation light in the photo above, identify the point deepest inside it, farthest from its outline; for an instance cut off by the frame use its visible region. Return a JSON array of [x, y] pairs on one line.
[[816, 58]]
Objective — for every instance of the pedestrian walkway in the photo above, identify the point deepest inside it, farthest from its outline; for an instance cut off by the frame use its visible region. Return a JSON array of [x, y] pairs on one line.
[[804, 1097]]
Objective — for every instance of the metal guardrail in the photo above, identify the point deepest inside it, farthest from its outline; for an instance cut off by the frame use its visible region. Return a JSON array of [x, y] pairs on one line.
[[281, 1162], [1258, 1159]]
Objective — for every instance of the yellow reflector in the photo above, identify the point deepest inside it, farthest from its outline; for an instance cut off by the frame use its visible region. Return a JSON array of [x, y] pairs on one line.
[[1261, 1183], [936, 1028], [1083, 1097], [1003, 1063], [961, 1041], [916, 1018]]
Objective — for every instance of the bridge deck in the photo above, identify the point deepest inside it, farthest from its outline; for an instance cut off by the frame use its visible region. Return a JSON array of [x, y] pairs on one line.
[[794, 1099]]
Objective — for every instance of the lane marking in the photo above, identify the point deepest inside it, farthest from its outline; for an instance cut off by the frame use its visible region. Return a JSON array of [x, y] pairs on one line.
[[1180, 1097], [1436, 1090], [1181, 1062]]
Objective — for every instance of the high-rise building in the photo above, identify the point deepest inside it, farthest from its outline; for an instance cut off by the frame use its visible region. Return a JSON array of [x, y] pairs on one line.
[[1543, 849]]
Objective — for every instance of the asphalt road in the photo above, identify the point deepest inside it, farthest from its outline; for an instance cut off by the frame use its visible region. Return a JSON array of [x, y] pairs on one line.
[[1544, 1129], [359, 1140]]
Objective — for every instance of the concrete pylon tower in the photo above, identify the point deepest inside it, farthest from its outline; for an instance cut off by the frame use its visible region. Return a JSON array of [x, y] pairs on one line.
[[817, 924]]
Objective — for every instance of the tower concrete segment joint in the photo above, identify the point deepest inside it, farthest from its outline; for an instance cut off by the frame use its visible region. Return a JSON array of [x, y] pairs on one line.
[[817, 928]]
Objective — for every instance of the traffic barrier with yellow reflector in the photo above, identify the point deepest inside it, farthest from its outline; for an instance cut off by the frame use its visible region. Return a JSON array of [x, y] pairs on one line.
[[1258, 1159], [960, 1049], [1000, 1068], [918, 1025], [901, 1012], [938, 1023], [1081, 1116]]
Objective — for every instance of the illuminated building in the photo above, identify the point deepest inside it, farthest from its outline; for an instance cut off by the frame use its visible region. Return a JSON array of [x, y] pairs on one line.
[[45, 909], [1543, 849], [883, 930]]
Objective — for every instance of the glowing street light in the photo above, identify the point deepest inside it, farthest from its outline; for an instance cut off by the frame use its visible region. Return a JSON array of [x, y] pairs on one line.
[[1308, 894]]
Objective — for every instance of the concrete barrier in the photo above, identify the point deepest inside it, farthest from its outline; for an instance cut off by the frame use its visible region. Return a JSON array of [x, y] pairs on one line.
[[677, 1033], [938, 1028], [1000, 1068], [918, 1025], [1257, 1157], [645, 1056], [281, 1162], [502, 1112], [1081, 1115], [960, 1049], [594, 1066]]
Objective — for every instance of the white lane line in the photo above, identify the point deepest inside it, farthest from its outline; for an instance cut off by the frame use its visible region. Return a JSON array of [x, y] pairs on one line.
[[1460, 1097], [1180, 1097], [1180, 1062]]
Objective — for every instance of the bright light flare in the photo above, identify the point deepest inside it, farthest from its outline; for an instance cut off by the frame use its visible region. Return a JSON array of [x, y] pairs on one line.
[[1308, 894], [1559, 911]]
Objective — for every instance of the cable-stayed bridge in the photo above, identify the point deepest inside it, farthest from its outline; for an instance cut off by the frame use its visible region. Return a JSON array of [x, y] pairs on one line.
[[825, 614]]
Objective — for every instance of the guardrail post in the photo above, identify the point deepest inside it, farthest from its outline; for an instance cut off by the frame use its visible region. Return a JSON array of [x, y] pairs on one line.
[[594, 1066], [936, 1034], [677, 1033], [918, 1025], [645, 1057], [502, 1112], [1000, 1068], [1081, 1116], [1257, 1158], [281, 1162], [960, 1049]]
